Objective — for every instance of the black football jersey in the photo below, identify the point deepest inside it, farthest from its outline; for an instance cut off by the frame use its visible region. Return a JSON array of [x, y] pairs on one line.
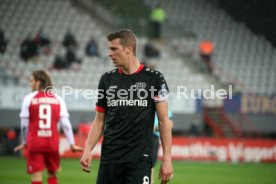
[[129, 105]]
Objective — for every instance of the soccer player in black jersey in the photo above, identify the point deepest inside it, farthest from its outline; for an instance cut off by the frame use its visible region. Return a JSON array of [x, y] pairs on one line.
[[128, 98]]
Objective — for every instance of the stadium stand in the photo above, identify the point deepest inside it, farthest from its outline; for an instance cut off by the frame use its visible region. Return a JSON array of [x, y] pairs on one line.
[[56, 18], [240, 57], [63, 17]]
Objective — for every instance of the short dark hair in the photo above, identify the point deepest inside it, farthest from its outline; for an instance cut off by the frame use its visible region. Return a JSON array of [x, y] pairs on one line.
[[44, 78], [127, 38]]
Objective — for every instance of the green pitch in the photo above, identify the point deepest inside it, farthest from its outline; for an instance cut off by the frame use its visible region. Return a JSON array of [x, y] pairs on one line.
[[12, 171]]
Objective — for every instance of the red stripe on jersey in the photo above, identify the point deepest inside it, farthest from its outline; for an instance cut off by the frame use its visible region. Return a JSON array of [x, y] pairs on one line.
[[100, 109], [140, 68], [120, 70]]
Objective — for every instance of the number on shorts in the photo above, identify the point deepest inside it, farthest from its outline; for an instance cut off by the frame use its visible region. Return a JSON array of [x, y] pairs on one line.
[[146, 180], [44, 116]]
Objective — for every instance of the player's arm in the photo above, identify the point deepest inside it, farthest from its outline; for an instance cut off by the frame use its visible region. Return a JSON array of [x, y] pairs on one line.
[[24, 130], [68, 131], [96, 128], [94, 135], [66, 125], [24, 124], [165, 128], [95, 131]]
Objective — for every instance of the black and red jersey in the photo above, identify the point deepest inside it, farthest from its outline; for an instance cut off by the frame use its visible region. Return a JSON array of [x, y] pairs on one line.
[[129, 105]]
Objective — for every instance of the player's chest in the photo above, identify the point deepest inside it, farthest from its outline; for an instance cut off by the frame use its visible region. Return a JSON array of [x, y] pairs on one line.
[[129, 87]]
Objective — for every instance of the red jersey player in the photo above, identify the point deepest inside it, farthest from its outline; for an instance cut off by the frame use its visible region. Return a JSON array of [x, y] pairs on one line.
[[40, 114]]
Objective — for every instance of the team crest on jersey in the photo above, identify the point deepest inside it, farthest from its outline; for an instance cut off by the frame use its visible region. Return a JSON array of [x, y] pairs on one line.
[[140, 85]]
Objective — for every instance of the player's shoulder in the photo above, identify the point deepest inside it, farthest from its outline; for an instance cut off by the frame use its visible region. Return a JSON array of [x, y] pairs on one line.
[[29, 96], [60, 99], [110, 73], [153, 73]]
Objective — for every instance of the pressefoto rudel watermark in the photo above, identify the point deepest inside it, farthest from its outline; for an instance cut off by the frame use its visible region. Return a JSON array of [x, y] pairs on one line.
[[182, 92], [208, 93]]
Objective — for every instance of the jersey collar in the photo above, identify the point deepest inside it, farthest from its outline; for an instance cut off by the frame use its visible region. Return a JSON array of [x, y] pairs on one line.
[[137, 71]]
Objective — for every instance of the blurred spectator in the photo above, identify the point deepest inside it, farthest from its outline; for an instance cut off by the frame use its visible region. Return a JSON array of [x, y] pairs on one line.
[[206, 48], [28, 49], [157, 17], [151, 50], [42, 41], [3, 42], [69, 40], [64, 61], [92, 48], [71, 56], [60, 63]]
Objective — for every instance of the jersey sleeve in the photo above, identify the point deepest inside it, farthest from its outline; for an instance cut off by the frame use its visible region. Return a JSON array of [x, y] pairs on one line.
[[67, 129], [24, 129], [101, 101], [162, 90], [24, 113], [63, 108]]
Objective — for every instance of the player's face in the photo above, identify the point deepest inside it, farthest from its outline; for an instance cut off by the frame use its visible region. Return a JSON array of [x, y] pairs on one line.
[[118, 53], [34, 84]]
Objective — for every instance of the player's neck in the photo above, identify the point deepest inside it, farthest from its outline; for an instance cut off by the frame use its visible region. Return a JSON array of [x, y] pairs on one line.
[[131, 67]]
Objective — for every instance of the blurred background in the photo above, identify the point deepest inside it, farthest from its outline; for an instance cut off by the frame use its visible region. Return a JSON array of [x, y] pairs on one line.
[[196, 44]]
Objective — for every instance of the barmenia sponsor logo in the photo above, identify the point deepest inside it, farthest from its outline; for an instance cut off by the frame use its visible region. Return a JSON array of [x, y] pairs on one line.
[[126, 102]]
